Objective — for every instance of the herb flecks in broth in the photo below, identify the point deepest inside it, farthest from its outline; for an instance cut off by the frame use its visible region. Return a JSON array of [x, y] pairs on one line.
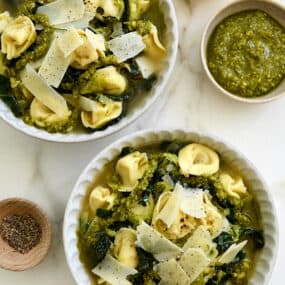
[[142, 199]]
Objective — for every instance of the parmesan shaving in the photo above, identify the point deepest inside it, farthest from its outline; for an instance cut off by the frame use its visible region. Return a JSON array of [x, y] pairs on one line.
[[194, 262], [152, 241], [63, 11], [45, 94], [147, 66], [113, 271], [97, 41], [54, 66], [201, 239], [82, 23], [127, 46], [171, 270], [229, 255], [192, 203], [87, 105]]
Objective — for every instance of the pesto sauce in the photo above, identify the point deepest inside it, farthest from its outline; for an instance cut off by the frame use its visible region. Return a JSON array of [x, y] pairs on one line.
[[246, 53]]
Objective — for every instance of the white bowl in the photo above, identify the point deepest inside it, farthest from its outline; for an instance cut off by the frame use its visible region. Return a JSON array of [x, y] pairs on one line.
[[267, 256], [136, 108], [275, 10]]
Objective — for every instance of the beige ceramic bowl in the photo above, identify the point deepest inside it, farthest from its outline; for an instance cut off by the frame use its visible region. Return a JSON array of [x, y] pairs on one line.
[[277, 11]]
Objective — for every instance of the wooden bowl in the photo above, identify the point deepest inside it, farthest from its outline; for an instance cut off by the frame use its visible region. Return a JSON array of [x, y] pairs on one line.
[[10, 259]]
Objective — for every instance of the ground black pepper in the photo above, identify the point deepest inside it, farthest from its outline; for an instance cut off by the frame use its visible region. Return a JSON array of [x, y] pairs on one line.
[[21, 232]]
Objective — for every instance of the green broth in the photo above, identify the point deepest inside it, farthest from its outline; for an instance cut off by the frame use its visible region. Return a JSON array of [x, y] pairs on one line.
[[246, 53], [250, 211]]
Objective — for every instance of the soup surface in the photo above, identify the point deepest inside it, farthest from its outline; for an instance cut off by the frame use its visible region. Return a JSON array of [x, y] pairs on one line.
[[173, 211]]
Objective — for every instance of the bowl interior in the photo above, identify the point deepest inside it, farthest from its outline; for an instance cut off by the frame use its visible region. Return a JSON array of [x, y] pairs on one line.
[[136, 108], [273, 9], [267, 256], [11, 259]]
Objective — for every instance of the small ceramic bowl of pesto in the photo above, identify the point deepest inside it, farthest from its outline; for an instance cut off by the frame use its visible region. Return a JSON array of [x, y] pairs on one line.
[[243, 51]]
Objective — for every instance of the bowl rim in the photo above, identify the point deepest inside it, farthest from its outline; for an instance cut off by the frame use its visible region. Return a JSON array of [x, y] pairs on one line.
[[171, 132], [203, 53], [43, 135]]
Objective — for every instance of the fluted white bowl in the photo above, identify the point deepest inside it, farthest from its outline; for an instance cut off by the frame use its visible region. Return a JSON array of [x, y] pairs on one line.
[[267, 256], [135, 109]]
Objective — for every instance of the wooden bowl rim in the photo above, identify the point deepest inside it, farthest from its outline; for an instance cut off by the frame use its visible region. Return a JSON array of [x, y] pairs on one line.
[[40, 251]]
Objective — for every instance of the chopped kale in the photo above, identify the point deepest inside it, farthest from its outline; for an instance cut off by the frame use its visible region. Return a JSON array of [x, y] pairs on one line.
[[103, 213], [255, 235], [100, 248], [223, 241]]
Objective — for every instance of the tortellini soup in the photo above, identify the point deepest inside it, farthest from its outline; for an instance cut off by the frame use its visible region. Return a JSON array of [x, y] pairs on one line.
[[75, 66], [173, 211]]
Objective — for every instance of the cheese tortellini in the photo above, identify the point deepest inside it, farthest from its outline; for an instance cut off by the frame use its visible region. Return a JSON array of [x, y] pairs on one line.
[[197, 159], [131, 168], [214, 221], [5, 19], [233, 185], [182, 225], [105, 8], [125, 247], [137, 8], [107, 80], [101, 113], [101, 197], [18, 36], [154, 48], [42, 116], [84, 55]]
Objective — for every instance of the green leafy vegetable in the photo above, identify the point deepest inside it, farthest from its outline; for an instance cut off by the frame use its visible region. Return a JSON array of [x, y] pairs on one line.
[[7, 97], [103, 213], [223, 241], [255, 235]]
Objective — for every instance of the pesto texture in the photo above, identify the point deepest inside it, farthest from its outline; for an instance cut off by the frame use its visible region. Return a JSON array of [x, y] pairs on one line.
[[102, 224], [88, 89], [246, 53]]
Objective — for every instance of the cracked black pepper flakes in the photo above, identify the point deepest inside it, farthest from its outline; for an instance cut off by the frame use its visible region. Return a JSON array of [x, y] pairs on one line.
[[22, 233]]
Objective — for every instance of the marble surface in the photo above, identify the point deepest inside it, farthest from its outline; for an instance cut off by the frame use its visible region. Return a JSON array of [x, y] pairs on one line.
[[46, 172]]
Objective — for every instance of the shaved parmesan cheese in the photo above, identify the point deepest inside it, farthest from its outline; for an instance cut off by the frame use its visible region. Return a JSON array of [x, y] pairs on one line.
[[113, 271], [229, 255], [171, 270], [87, 105], [147, 66], [152, 241], [63, 11], [192, 203], [194, 262], [69, 42], [82, 23], [45, 94], [127, 46], [202, 239], [54, 65], [96, 40], [171, 209]]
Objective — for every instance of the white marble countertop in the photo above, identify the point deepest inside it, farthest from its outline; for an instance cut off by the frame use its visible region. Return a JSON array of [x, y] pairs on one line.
[[46, 172]]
